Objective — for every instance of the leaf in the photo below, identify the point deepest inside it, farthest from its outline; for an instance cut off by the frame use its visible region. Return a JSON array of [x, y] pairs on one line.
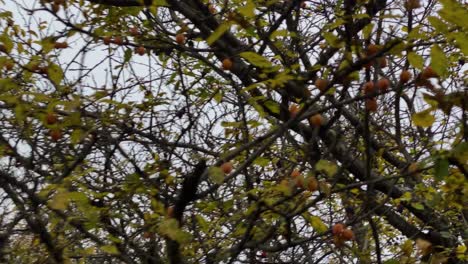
[[272, 106], [55, 73], [417, 206], [216, 175], [60, 201], [317, 224], [248, 10], [439, 61], [110, 249], [218, 32], [416, 60], [423, 119], [441, 167], [333, 40], [326, 166], [392, 261], [256, 59]]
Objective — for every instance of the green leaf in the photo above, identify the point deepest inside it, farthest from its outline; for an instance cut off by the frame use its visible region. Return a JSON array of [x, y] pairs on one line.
[[367, 30], [55, 73], [127, 55], [439, 61], [441, 167], [218, 32], [423, 119], [272, 106], [416, 60], [317, 224], [392, 261], [60, 201], [326, 166], [438, 24], [248, 10], [417, 206], [7, 43], [216, 175], [256, 59], [110, 249], [332, 40]]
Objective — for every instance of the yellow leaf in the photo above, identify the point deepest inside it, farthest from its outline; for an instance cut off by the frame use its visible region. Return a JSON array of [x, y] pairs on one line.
[[423, 119]]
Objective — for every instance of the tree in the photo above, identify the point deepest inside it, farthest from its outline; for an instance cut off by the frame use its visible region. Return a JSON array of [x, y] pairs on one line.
[[165, 131]]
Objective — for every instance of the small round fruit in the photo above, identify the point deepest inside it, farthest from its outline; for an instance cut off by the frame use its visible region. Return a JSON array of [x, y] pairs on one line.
[[55, 8], [56, 134], [428, 72], [317, 120], [107, 40], [312, 184], [3, 48], [9, 65], [368, 88], [371, 105], [337, 229], [170, 212], [321, 84], [134, 31], [118, 40], [382, 62], [226, 167], [180, 38], [43, 70], [140, 50], [148, 235], [295, 173], [227, 64], [405, 76], [413, 167], [293, 110], [347, 234], [372, 49], [51, 119], [383, 84], [60, 45], [412, 4]]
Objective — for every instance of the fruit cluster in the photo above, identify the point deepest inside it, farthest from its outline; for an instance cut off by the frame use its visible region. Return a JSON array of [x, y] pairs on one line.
[[341, 234]]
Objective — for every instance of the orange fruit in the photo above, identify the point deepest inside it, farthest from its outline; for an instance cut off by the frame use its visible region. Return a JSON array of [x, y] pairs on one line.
[[347, 234], [337, 229], [180, 38], [428, 72], [316, 120], [227, 64], [60, 45], [383, 84], [382, 62], [371, 105], [51, 118], [107, 40], [368, 87], [413, 167], [140, 50], [134, 31], [226, 167], [321, 84], [312, 185], [56, 134], [295, 173], [372, 49], [118, 40], [405, 76], [293, 110]]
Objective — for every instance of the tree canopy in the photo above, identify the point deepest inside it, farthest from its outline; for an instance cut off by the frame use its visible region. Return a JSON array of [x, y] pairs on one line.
[[268, 131]]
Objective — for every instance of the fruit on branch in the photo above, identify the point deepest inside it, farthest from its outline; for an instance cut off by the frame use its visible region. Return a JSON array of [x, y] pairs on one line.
[[9, 65], [148, 235], [321, 84], [107, 40], [405, 76], [412, 4], [117, 40], [140, 50], [55, 8], [170, 212], [372, 49], [227, 64], [428, 72], [60, 45], [134, 31], [43, 70], [371, 104], [312, 184], [337, 229], [180, 38], [317, 120], [295, 173], [383, 84], [51, 119], [382, 62], [413, 168], [55, 134], [347, 234], [3, 48], [226, 167], [293, 110], [368, 88]]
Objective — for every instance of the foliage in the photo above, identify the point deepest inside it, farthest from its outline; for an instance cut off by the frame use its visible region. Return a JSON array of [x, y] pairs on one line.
[[166, 131]]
